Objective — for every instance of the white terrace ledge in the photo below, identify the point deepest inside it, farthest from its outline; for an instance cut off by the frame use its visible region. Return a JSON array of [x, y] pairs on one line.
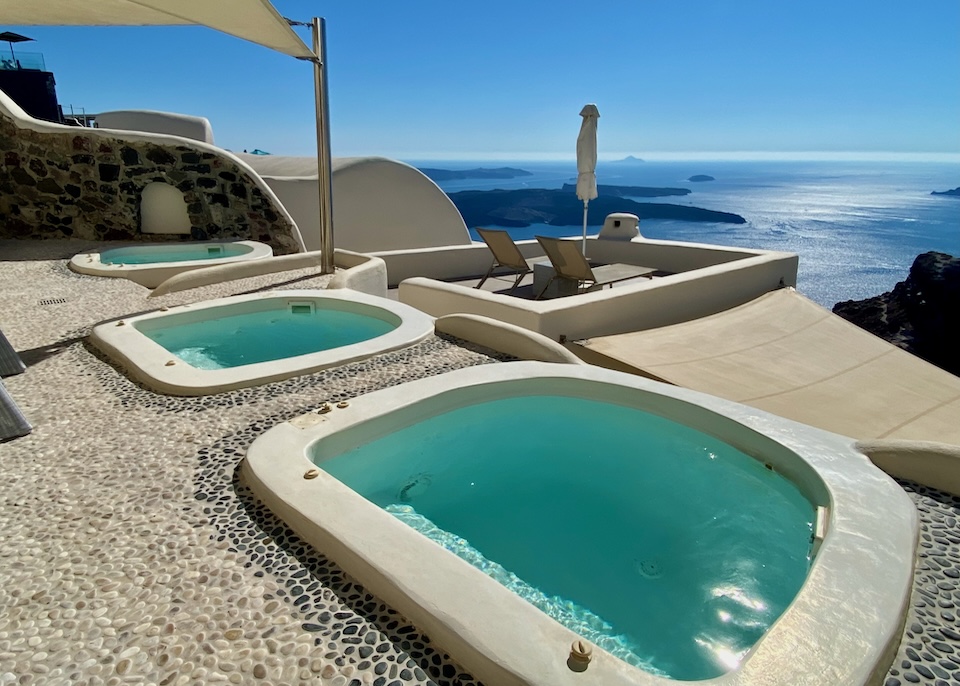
[[704, 279], [355, 271]]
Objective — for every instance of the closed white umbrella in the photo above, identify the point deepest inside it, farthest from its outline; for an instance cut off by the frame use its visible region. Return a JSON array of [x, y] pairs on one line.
[[587, 162]]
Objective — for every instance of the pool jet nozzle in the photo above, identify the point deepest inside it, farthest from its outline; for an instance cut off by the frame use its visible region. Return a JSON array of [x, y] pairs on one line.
[[580, 655]]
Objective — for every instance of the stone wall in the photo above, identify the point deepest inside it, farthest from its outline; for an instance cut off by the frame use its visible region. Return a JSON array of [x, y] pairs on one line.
[[82, 183]]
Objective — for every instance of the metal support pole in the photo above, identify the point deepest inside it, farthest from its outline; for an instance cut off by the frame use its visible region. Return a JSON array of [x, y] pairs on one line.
[[324, 171], [583, 248]]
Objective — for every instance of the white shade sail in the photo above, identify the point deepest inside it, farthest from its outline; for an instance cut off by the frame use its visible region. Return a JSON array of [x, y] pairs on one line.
[[253, 20]]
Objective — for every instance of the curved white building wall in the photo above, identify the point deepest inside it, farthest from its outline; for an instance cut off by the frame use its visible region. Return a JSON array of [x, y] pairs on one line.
[[378, 203], [170, 123]]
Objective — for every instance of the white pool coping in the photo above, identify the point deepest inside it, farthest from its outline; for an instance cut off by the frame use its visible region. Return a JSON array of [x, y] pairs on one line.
[[843, 627], [152, 275], [161, 370]]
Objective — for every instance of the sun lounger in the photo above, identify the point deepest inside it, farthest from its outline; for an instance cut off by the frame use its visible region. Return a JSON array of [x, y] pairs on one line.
[[12, 422], [10, 362], [570, 264], [506, 255]]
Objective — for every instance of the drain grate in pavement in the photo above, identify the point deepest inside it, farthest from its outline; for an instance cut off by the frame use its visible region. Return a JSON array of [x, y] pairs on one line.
[[53, 301]]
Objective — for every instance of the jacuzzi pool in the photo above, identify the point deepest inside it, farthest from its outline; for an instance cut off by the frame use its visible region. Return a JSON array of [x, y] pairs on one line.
[[152, 264], [248, 340], [685, 536]]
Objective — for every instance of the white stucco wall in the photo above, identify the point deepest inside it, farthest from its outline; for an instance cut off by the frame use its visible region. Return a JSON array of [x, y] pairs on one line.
[[933, 464], [163, 210], [708, 279], [150, 121], [462, 261], [378, 204]]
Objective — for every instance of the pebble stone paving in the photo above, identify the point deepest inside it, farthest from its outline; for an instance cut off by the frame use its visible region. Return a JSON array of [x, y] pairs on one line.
[[132, 551], [929, 651]]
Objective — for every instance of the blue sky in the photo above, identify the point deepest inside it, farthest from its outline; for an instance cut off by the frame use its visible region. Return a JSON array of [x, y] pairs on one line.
[[506, 79]]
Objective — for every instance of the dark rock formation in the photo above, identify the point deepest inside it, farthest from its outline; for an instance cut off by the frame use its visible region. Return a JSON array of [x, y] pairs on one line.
[[86, 183], [518, 208], [953, 191], [701, 177], [921, 314], [631, 191], [479, 173]]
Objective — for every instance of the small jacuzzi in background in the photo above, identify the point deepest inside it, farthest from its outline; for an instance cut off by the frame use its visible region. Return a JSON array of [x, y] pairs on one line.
[[248, 340], [150, 264], [510, 510]]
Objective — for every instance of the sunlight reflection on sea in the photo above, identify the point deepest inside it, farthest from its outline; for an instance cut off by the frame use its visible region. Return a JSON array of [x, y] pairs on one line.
[[857, 226]]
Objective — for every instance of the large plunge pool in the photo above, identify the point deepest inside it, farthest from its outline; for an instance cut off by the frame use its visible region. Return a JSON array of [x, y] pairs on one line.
[[248, 340], [512, 509], [695, 548]]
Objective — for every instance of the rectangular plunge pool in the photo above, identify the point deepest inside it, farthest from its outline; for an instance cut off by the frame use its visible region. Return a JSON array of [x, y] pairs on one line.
[[248, 340], [238, 338]]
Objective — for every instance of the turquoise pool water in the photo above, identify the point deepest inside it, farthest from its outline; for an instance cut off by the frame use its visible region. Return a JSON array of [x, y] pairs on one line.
[[232, 339], [153, 254], [663, 545]]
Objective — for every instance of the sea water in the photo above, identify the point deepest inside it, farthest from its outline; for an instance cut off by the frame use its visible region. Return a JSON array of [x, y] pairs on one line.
[[663, 545], [857, 226]]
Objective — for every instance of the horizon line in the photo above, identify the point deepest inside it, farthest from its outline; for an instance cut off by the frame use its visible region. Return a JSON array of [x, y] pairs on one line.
[[681, 156]]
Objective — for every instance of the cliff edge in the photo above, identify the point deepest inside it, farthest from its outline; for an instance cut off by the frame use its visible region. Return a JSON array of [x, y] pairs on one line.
[[921, 314]]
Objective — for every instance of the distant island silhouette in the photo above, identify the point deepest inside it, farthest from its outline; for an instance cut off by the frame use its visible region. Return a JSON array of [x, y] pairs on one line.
[[701, 177], [953, 191], [478, 173], [629, 159], [522, 207]]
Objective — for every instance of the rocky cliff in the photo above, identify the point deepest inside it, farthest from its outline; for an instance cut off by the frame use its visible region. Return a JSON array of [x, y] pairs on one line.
[[920, 315]]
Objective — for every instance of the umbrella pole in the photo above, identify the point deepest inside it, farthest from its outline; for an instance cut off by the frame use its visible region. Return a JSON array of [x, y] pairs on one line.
[[584, 246], [324, 172]]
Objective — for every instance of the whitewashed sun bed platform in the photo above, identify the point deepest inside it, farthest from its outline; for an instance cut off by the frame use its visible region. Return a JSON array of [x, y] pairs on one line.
[[784, 354]]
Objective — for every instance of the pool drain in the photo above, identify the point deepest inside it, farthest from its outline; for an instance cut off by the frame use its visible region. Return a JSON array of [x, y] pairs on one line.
[[416, 486], [650, 569]]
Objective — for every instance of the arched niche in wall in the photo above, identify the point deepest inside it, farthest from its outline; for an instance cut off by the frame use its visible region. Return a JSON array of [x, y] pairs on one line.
[[163, 209]]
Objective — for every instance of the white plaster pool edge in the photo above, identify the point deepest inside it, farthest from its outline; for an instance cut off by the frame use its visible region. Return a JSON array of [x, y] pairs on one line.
[[148, 361], [842, 628], [152, 275]]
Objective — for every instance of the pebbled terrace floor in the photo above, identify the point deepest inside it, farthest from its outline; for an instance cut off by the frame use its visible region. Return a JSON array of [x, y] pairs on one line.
[[131, 551]]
